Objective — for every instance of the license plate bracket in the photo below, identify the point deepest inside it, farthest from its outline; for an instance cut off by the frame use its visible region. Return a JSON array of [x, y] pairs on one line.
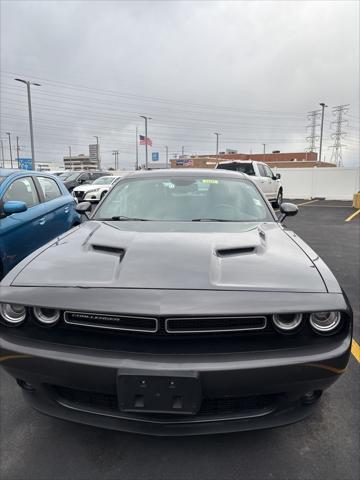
[[166, 393]]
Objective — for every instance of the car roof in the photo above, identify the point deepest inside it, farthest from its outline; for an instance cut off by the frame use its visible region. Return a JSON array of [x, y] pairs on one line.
[[238, 161], [6, 172], [188, 172]]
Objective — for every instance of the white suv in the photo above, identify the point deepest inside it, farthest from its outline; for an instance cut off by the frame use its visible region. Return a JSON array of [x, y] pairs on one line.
[[262, 174], [96, 191]]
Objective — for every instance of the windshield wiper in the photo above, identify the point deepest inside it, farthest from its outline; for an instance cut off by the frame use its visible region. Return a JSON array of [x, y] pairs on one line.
[[122, 218], [211, 220]]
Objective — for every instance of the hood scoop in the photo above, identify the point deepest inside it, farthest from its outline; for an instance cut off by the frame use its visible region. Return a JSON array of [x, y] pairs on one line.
[[120, 252], [230, 252]]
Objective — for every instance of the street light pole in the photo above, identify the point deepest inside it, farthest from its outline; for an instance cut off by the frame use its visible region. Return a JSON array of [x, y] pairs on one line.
[[167, 156], [136, 150], [217, 142], [97, 151], [17, 151], [11, 159], [146, 139], [70, 158], [2, 154], [28, 83], [264, 145], [322, 127]]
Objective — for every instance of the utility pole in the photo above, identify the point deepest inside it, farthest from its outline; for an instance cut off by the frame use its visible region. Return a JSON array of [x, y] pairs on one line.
[[11, 160], [336, 155], [322, 127], [97, 151], [182, 151], [264, 145], [28, 83], [18, 151], [70, 158], [2, 154], [313, 137], [136, 150], [167, 156], [146, 139]]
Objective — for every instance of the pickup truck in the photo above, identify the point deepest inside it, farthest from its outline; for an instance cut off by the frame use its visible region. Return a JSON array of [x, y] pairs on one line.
[[262, 174]]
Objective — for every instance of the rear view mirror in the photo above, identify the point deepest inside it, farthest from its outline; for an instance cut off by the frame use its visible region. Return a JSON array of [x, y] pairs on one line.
[[288, 210], [14, 206], [83, 207]]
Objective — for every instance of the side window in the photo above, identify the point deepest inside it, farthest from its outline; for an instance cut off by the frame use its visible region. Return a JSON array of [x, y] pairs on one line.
[[262, 170], [84, 177], [49, 188], [22, 190], [268, 171]]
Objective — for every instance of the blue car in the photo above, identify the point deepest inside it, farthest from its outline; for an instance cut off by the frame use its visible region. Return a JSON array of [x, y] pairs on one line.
[[35, 207]]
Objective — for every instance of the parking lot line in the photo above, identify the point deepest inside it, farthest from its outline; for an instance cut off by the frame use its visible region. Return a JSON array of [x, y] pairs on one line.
[[355, 350], [305, 203], [352, 215]]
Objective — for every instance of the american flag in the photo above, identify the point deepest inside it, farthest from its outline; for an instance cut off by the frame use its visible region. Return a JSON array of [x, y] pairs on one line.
[[145, 140]]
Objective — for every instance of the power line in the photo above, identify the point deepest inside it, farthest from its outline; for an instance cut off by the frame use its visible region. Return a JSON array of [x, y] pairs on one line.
[[336, 155]]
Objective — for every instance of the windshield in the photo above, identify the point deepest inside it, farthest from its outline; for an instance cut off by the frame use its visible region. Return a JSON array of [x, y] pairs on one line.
[[184, 199], [65, 175], [238, 167], [2, 179], [73, 176], [103, 181]]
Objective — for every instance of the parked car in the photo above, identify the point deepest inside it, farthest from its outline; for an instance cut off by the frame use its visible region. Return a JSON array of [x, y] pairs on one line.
[[182, 306], [81, 178], [262, 174], [95, 191], [34, 208]]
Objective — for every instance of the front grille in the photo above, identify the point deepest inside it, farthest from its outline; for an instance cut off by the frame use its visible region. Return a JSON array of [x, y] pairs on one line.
[[112, 322], [210, 407], [79, 195], [214, 324]]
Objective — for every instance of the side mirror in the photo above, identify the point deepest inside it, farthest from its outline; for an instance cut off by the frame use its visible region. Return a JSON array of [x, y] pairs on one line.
[[14, 206], [278, 176], [288, 210], [83, 207]]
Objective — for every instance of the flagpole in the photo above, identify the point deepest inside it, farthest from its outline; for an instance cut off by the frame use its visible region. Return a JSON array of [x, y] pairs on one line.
[[137, 151], [146, 139]]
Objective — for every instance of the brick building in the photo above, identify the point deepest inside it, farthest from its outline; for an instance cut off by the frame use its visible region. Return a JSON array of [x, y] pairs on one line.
[[275, 159]]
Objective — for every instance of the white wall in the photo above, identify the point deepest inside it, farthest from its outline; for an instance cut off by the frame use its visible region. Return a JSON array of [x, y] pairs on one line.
[[330, 183]]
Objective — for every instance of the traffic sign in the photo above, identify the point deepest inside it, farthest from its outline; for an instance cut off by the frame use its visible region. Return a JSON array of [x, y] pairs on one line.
[[155, 156], [25, 163]]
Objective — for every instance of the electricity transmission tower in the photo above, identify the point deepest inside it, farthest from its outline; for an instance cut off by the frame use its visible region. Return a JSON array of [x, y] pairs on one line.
[[313, 117], [338, 112]]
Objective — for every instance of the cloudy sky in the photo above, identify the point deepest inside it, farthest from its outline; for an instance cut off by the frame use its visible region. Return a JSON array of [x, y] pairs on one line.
[[248, 70]]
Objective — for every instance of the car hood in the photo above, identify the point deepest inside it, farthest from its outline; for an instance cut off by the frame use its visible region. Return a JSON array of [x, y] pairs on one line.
[[151, 255], [88, 187]]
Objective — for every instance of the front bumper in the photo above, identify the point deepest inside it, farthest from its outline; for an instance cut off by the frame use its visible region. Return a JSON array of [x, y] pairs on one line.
[[266, 388]]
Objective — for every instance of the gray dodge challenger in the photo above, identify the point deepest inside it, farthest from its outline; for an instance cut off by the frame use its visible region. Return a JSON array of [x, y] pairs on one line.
[[182, 305]]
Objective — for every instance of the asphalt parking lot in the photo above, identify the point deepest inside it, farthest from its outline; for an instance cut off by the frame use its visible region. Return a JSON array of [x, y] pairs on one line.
[[324, 446]]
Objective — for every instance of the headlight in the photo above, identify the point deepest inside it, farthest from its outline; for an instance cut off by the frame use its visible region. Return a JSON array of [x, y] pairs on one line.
[[325, 322], [90, 191], [287, 322], [47, 316], [13, 313]]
